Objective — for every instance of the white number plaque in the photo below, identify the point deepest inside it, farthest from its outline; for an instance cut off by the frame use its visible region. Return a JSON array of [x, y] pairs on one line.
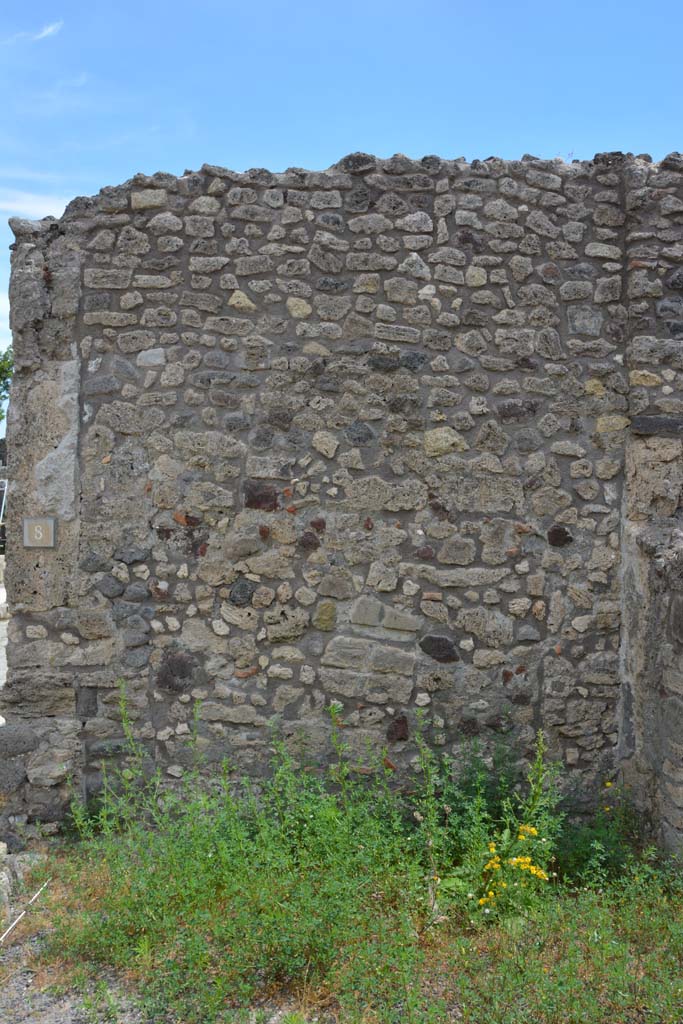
[[39, 532]]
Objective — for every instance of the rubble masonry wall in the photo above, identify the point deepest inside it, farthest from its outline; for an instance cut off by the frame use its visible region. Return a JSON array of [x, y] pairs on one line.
[[402, 435]]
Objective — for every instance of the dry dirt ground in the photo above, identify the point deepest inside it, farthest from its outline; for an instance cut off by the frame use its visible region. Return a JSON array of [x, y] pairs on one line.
[[32, 992]]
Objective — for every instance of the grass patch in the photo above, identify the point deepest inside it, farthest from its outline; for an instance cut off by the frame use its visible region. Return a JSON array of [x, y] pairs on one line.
[[471, 898]]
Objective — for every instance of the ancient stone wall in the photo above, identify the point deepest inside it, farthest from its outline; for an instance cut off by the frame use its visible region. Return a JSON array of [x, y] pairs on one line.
[[401, 435]]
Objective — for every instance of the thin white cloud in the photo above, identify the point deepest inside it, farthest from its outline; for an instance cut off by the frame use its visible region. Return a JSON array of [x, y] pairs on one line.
[[24, 174], [34, 37], [30, 204], [48, 30]]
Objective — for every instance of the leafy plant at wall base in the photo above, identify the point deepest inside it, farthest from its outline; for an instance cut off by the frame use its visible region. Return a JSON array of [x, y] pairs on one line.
[[507, 862], [6, 370], [338, 885]]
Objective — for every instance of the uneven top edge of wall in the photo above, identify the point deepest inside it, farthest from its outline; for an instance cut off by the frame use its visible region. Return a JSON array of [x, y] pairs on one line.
[[393, 172]]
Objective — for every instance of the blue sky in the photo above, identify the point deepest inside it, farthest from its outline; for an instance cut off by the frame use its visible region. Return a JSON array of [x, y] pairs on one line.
[[94, 91]]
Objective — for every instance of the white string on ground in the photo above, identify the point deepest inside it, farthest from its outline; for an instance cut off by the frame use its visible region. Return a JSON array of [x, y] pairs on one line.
[[24, 912]]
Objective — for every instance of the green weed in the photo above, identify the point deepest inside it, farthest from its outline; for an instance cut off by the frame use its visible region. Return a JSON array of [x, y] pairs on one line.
[[472, 896]]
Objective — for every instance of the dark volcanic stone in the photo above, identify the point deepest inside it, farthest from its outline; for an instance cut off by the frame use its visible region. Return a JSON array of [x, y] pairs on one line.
[[475, 318], [670, 307], [132, 553], [308, 541], [134, 638], [527, 440], [210, 378], [136, 657], [86, 702], [359, 433], [358, 200], [659, 426], [522, 699], [383, 361], [179, 672], [110, 587], [440, 648], [331, 220], [123, 610], [582, 271], [392, 205], [262, 438], [103, 385], [467, 237], [96, 301], [404, 404], [673, 162], [332, 284], [241, 592], [470, 727], [92, 562], [136, 621], [559, 536], [432, 164], [234, 421], [413, 361], [398, 730], [260, 495], [14, 843], [204, 246], [460, 363], [426, 552], [399, 164], [224, 397], [216, 360], [357, 163], [440, 341], [675, 279], [516, 410], [280, 418], [16, 738], [12, 774]]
